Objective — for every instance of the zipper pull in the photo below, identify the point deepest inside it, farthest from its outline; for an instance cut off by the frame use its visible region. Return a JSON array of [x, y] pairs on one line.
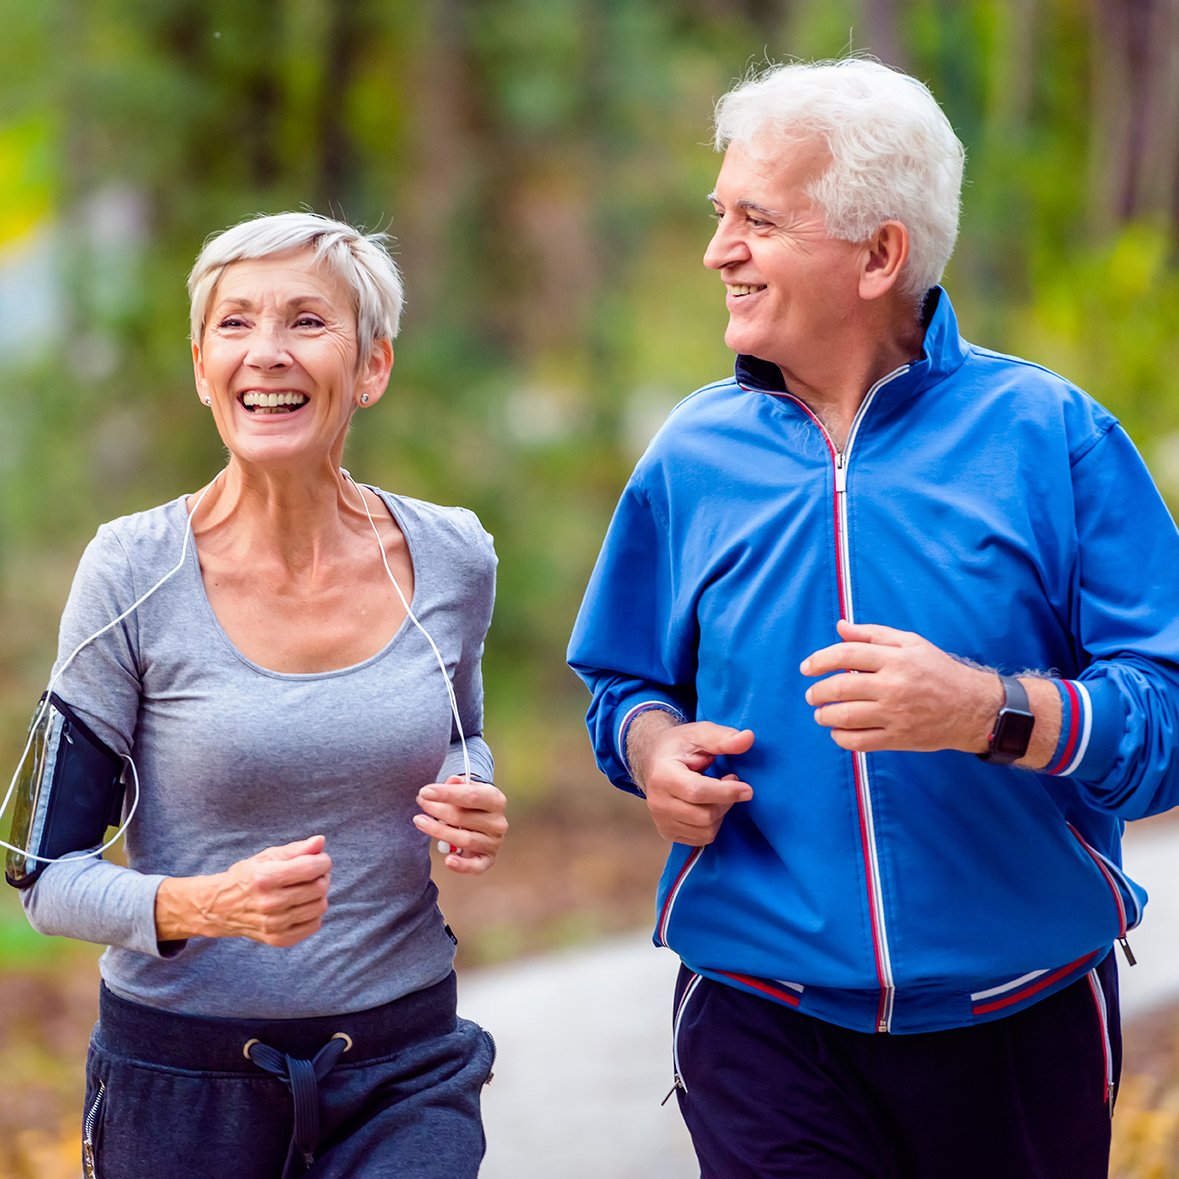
[[89, 1163], [1130, 959], [678, 1085], [840, 474]]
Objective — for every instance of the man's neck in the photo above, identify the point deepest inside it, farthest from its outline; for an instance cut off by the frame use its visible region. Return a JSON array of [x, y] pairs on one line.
[[833, 385]]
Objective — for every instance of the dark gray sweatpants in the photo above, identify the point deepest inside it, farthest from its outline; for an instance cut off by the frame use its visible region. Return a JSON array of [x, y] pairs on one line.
[[170, 1095]]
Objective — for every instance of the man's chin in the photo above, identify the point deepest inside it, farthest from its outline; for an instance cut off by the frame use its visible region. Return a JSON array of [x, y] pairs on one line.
[[744, 342]]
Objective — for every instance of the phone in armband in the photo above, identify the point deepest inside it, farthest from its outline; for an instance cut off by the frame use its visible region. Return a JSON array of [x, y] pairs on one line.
[[68, 791]]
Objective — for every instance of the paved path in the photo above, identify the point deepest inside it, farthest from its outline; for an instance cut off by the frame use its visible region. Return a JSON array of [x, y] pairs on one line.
[[584, 1061], [584, 1042], [1151, 855]]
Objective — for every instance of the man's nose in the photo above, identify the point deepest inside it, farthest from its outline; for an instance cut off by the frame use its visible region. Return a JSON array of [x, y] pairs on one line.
[[725, 247]]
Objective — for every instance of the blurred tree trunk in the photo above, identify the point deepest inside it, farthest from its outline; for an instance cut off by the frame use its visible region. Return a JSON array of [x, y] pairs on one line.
[[246, 81], [76, 164], [882, 19], [343, 42], [1134, 163], [1014, 69], [263, 96], [443, 159]]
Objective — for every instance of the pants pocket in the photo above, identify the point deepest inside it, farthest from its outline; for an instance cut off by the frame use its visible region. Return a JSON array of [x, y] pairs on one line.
[[491, 1047], [92, 1121], [1101, 1009], [689, 983]]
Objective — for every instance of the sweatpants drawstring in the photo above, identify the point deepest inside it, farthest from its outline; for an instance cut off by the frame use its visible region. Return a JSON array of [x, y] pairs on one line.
[[302, 1077]]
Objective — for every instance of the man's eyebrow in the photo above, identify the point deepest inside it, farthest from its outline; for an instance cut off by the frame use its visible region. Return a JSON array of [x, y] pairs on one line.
[[754, 207], [747, 206]]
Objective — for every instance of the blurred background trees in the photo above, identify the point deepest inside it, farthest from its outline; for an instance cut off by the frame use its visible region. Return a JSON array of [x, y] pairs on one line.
[[542, 165]]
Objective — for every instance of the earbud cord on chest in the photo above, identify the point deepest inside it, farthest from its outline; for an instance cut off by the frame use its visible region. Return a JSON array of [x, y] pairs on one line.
[[458, 723]]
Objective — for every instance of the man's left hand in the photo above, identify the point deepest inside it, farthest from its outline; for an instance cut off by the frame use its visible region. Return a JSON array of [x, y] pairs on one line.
[[896, 690]]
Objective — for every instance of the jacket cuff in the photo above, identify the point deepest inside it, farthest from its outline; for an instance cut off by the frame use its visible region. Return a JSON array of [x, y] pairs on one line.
[[628, 719], [1090, 730]]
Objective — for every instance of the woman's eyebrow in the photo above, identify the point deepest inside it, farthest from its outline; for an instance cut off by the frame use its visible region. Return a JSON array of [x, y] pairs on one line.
[[245, 303]]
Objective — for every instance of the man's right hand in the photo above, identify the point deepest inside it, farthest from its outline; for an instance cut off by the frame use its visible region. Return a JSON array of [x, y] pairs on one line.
[[668, 760]]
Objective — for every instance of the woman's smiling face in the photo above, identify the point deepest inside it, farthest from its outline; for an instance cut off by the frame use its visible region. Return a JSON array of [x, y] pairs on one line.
[[278, 360]]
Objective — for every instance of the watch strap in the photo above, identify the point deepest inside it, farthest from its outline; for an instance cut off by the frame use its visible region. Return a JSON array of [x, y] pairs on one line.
[[1015, 694], [1013, 726]]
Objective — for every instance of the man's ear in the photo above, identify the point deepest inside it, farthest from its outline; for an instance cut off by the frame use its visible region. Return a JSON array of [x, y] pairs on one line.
[[374, 377], [885, 255]]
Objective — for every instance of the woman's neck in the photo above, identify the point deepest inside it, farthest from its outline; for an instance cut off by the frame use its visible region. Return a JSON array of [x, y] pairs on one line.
[[296, 521]]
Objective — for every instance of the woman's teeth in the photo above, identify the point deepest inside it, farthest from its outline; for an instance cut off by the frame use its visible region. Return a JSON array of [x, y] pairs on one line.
[[272, 402]]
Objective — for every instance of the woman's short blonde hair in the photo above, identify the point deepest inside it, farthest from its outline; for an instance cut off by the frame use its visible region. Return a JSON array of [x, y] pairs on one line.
[[360, 260]]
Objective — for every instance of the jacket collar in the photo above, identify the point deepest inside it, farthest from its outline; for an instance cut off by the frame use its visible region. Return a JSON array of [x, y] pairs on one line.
[[942, 352]]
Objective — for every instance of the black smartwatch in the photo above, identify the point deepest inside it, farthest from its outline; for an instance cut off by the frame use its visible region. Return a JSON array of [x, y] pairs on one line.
[[1013, 726]]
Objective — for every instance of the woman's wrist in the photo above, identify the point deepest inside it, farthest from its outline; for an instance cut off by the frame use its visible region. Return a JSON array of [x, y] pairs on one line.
[[181, 911]]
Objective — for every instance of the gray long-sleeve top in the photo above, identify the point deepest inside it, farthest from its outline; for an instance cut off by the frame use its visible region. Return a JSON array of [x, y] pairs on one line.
[[233, 758]]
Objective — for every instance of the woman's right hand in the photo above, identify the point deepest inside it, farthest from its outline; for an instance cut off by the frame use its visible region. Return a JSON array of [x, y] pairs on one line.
[[277, 897]]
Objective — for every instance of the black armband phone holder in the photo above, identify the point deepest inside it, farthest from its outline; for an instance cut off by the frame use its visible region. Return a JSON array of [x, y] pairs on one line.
[[69, 790]]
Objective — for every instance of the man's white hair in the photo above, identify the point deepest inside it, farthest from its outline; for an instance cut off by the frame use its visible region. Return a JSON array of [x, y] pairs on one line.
[[894, 155], [361, 261]]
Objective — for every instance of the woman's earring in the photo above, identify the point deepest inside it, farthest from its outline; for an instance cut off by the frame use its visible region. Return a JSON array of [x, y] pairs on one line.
[[364, 399], [208, 401]]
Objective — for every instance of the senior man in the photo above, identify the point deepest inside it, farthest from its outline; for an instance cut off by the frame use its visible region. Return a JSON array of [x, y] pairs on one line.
[[885, 631]]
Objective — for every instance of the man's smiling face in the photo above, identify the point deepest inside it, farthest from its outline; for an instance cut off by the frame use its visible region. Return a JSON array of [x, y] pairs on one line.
[[788, 283]]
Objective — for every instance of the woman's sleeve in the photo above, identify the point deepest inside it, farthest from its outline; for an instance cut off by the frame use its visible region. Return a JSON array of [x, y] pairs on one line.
[[478, 600], [90, 898]]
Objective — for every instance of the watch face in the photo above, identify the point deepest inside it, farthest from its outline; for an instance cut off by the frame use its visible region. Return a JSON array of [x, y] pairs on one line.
[[1013, 731]]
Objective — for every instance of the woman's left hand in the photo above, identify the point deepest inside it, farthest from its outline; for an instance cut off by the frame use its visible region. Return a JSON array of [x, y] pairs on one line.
[[467, 815]]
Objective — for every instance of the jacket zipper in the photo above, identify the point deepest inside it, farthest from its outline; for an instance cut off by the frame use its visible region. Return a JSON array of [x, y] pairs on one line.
[[91, 1166], [1112, 877], [841, 460], [673, 893]]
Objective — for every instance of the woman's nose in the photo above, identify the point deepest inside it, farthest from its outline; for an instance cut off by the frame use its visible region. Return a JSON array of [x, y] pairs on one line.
[[268, 349]]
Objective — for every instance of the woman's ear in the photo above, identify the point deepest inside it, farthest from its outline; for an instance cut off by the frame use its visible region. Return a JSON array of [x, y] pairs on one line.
[[884, 258], [374, 376], [198, 372]]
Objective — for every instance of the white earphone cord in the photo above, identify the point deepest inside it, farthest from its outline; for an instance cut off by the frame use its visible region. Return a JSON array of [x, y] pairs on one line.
[[43, 707], [454, 709], [130, 763]]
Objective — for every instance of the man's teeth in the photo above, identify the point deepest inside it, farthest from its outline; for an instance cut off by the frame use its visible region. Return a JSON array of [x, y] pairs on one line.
[[743, 289], [283, 401]]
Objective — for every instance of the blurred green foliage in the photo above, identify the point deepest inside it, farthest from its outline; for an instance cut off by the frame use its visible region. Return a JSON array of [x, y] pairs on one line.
[[543, 166]]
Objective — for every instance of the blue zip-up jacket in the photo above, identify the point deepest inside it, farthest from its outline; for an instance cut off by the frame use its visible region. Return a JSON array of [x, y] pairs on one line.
[[993, 508]]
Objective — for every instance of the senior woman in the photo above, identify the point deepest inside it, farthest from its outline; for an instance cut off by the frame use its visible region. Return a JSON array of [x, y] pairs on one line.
[[300, 693]]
